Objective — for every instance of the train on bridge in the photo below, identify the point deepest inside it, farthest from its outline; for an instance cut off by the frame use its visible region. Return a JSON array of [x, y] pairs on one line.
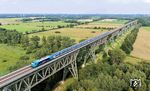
[[48, 58]]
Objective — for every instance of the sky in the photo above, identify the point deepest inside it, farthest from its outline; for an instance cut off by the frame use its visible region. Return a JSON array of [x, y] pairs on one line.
[[75, 6]]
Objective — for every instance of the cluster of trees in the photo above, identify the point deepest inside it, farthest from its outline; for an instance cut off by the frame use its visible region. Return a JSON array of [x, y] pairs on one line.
[[49, 45], [127, 45], [112, 76], [145, 21], [108, 28], [10, 37], [40, 19], [67, 26], [76, 21]]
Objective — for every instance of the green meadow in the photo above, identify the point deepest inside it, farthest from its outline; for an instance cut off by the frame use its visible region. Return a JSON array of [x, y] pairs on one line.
[[30, 26], [9, 55], [147, 28]]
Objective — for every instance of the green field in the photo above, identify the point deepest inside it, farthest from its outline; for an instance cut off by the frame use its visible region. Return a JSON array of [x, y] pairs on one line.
[[73, 33], [30, 26], [8, 57], [134, 60], [146, 28]]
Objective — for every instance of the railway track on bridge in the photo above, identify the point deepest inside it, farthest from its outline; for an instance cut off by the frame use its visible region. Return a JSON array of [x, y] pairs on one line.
[[15, 74]]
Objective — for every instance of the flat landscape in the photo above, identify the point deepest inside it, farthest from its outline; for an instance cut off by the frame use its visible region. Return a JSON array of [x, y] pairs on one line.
[[13, 24], [70, 45], [142, 44], [73, 33], [9, 55]]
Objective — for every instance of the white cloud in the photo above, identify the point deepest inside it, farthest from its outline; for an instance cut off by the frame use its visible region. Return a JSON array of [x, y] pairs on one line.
[[147, 1], [128, 1]]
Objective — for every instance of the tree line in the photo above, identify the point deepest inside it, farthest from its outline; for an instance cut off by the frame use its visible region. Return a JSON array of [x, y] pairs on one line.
[[127, 45], [144, 20], [10, 37]]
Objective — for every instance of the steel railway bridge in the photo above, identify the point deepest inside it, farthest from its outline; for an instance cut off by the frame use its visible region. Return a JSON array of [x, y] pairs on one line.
[[26, 78]]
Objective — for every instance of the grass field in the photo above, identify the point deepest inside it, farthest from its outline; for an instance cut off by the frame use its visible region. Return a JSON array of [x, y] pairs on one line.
[[5, 21], [29, 26], [146, 28], [73, 33], [104, 23], [134, 60], [8, 57], [142, 45]]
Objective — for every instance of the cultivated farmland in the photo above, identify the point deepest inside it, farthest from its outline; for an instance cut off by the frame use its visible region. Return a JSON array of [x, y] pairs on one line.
[[142, 45]]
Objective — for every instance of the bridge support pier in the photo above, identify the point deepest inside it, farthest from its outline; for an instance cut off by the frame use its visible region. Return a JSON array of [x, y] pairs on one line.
[[72, 68], [65, 72], [90, 53]]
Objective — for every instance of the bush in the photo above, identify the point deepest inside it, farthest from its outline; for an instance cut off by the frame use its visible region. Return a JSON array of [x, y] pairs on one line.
[[4, 61], [116, 56], [57, 32], [93, 32]]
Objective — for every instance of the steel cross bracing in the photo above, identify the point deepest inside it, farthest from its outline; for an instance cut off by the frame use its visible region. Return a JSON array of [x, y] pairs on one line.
[[26, 81], [91, 49]]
